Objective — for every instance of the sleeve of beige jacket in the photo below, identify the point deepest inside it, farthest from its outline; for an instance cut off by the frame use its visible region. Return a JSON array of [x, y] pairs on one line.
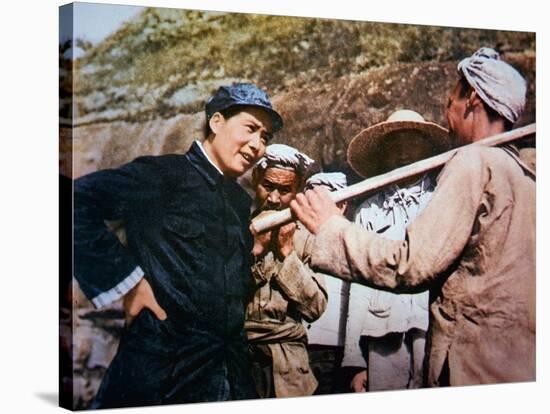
[[302, 285], [433, 242]]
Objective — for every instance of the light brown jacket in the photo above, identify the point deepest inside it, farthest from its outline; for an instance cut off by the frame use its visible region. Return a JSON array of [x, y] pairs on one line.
[[286, 292], [474, 247]]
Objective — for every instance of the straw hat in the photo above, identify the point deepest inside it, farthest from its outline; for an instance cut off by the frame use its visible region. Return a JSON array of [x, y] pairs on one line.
[[365, 151]]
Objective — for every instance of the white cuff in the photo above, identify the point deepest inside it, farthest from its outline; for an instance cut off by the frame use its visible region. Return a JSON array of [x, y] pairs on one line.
[[105, 298]]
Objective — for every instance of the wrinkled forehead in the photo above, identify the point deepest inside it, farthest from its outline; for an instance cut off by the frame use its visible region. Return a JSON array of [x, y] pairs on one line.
[[280, 176]]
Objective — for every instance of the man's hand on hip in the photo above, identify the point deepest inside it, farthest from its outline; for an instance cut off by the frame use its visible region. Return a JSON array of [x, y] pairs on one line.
[[139, 298]]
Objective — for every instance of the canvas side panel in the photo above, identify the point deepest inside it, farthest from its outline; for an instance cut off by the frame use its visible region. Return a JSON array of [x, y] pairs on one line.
[[66, 383]]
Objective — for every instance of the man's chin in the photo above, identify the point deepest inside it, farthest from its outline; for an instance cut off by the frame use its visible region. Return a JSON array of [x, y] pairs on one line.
[[237, 171]]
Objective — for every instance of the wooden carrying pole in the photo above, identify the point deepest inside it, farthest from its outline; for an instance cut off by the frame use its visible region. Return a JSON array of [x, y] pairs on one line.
[[374, 183]]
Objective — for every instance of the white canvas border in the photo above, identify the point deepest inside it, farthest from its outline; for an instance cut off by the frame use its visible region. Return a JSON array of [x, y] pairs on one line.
[[29, 205]]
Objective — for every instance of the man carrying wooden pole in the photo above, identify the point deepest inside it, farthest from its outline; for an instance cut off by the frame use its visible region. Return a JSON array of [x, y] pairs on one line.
[[473, 246]]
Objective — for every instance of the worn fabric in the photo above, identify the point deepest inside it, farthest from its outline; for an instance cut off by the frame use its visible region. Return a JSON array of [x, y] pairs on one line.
[[395, 360], [388, 213], [389, 322], [529, 157], [286, 293], [330, 328], [333, 181], [474, 247], [285, 157], [187, 228], [326, 338], [498, 84]]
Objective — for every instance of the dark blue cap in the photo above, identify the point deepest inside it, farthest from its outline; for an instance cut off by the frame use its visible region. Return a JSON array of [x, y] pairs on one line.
[[242, 94]]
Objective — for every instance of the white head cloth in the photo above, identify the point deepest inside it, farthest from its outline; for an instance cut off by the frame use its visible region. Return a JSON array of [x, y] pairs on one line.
[[285, 157], [497, 83], [333, 181]]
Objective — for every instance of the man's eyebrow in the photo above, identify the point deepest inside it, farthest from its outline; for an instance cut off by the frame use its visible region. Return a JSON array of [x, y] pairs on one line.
[[254, 122], [258, 125]]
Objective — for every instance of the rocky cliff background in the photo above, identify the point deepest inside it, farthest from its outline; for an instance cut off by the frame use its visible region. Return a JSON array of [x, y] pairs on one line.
[[143, 89]]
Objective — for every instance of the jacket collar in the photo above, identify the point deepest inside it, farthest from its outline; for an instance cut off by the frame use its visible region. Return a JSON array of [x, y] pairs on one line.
[[203, 165], [201, 147]]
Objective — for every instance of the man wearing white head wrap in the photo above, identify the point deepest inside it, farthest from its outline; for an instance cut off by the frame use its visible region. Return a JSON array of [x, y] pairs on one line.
[[473, 245], [334, 181], [497, 83], [488, 98], [286, 158], [286, 290]]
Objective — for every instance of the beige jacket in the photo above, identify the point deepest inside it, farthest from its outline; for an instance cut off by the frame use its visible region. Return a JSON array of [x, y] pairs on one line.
[[473, 246], [286, 292]]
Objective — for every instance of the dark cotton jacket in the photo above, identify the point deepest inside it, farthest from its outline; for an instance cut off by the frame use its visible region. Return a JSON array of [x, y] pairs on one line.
[[187, 228]]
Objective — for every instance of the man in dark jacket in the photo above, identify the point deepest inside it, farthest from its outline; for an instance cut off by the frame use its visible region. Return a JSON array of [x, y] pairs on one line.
[[185, 271]]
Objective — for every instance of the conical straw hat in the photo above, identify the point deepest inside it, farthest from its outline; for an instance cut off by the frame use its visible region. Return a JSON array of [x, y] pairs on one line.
[[365, 151]]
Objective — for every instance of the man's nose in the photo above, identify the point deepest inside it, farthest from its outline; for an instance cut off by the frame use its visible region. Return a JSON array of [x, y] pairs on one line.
[[255, 143], [274, 197]]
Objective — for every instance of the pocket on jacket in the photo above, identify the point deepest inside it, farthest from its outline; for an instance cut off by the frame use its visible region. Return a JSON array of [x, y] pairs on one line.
[[186, 237], [185, 227], [298, 357], [380, 303], [147, 333]]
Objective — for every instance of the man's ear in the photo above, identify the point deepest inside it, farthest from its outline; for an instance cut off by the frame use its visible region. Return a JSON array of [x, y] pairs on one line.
[[473, 99], [473, 103], [215, 122]]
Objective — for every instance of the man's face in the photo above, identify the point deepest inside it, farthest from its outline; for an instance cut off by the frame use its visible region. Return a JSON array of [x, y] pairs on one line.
[[405, 147], [240, 140], [459, 117], [275, 188]]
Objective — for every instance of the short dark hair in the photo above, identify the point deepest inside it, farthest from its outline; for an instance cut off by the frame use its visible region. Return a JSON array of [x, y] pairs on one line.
[[493, 115], [464, 87], [226, 113]]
